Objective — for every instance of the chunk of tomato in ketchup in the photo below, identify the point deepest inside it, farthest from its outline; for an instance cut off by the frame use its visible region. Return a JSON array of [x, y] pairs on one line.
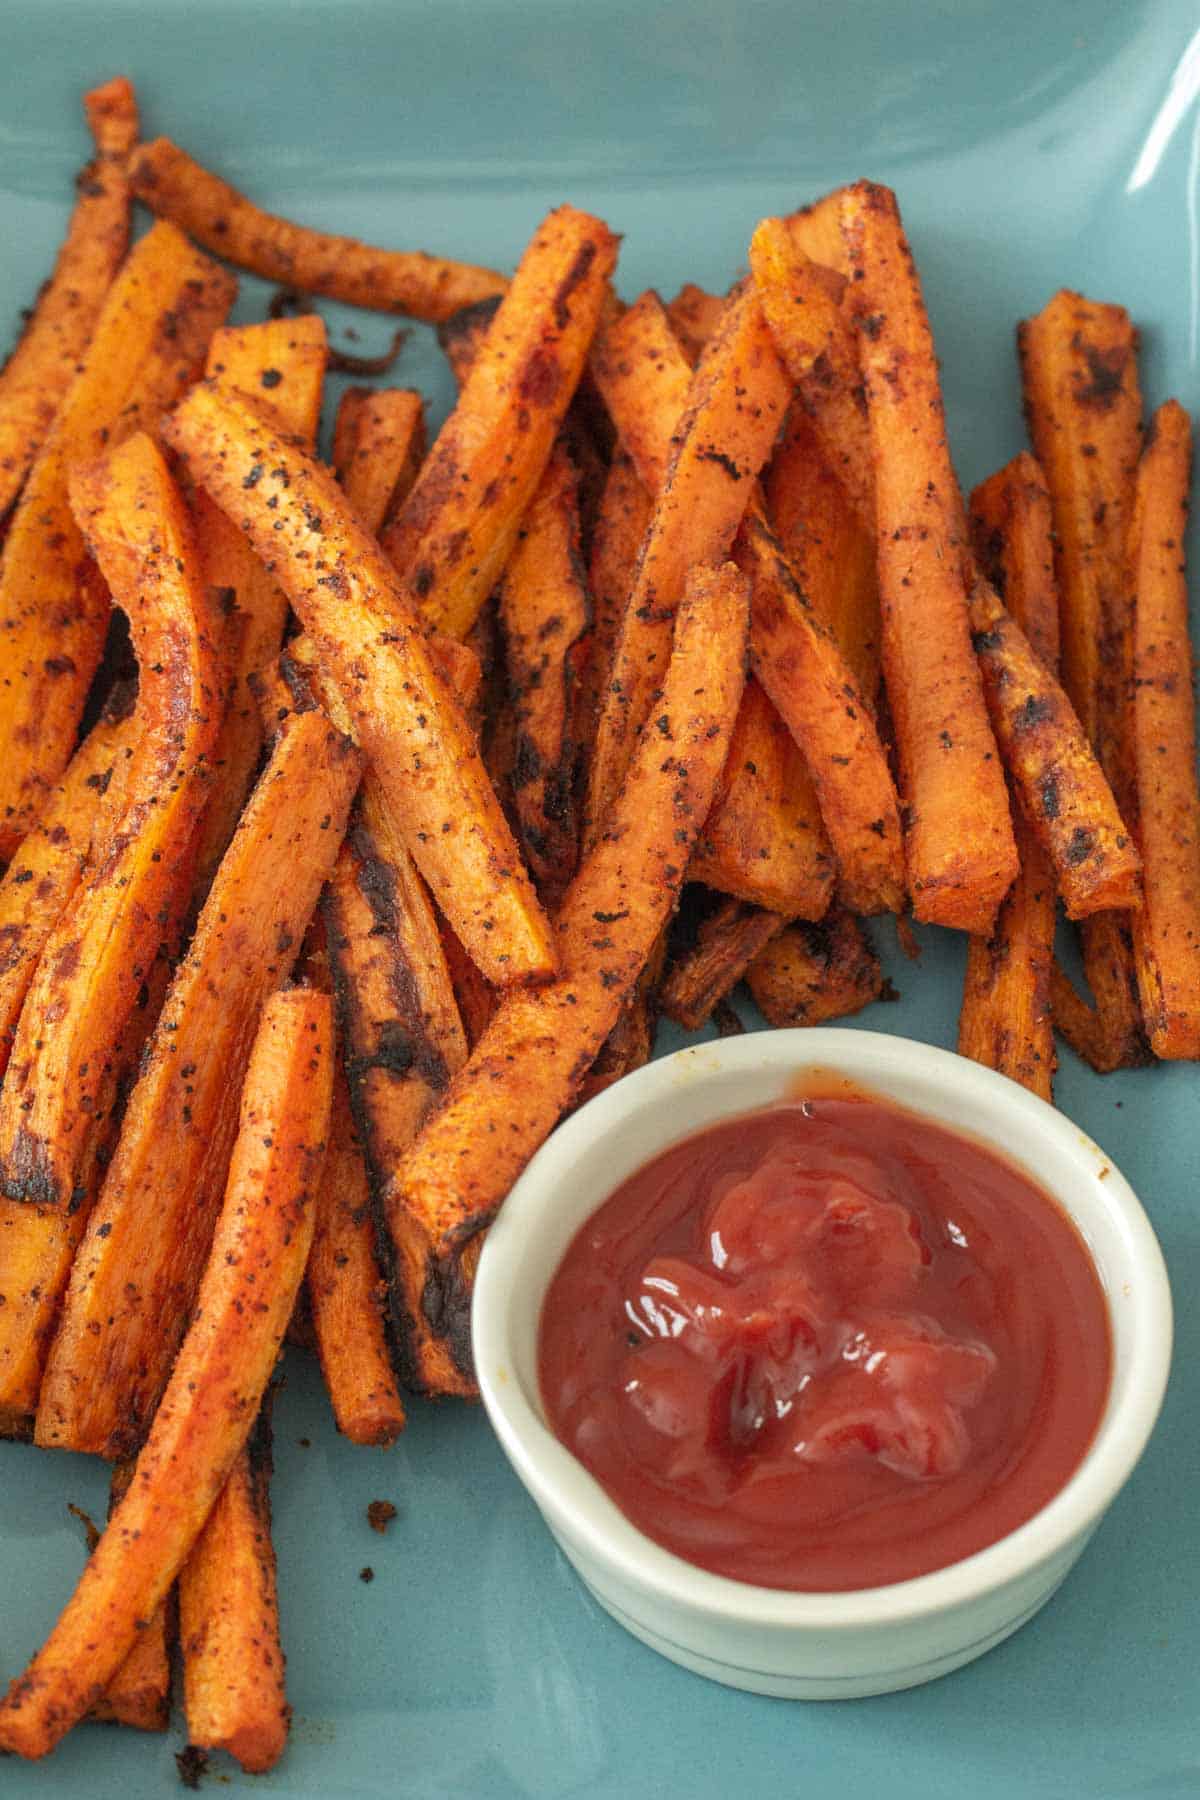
[[826, 1346]]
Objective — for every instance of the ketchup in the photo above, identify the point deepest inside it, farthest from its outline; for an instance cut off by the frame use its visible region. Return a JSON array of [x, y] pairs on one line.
[[825, 1346]]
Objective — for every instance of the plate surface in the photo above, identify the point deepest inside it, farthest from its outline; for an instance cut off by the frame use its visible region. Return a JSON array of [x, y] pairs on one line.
[[1029, 153]]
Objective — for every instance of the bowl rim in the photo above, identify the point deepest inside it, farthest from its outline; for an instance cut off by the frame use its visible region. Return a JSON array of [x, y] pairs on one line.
[[1008, 1114]]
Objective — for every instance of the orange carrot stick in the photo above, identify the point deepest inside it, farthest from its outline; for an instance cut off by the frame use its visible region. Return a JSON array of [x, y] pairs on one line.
[[246, 1297], [961, 855]]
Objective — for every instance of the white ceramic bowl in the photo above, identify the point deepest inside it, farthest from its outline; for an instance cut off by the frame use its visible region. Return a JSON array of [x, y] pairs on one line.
[[813, 1646]]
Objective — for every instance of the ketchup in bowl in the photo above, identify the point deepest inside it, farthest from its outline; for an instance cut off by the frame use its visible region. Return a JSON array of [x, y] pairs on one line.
[[826, 1346]]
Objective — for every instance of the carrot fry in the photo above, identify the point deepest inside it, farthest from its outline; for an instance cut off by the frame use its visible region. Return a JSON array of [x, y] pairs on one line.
[[43, 364], [1006, 1020], [1060, 784], [802, 301], [801, 668], [46, 870], [347, 1294], [1012, 530], [234, 1693], [378, 447], [249, 1287], [828, 548], [38, 1244], [1166, 933], [139, 1694], [736, 402], [763, 841], [171, 184], [282, 363], [1083, 406], [135, 1277], [147, 345], [452, 538], [97, 956], [694, 315], [402, 1043], [406, 717], [728, 942], [622, 521], [643, 376], [962, 858], [811, 973], [536, 1052], [544, 614]]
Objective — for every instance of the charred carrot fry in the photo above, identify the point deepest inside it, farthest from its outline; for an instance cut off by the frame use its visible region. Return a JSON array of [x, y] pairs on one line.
[[147, 345], [282, 364], [38, 1244], [1083, 407], [811, 973], [1061, 786], [801, 668], [802, 301], [735, 406], [134, 1280], [406, 717], [622, 521], [347, 1294], [44, 874], [727, 943], [829, 550], [44, 362], [234, 1691], [452, 538], [1166, 933], [961, 855], [403, 1042], [544, 614], [139, 1694], [173, 185], [1006, 1020], [693, 315], [97, 956], [537, 1050], [250, 1283], [763, 841], [378, 447]]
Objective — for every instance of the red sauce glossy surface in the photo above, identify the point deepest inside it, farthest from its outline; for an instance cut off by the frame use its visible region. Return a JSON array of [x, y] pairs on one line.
[[826, 1346]]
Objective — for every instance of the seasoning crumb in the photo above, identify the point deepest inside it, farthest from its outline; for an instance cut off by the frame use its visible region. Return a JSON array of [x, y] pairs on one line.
[[192, 1763], [380, 1514], [367, 1574], [304, 1443]]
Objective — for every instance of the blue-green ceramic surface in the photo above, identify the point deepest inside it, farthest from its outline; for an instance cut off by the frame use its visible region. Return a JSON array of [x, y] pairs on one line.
[[1032, 148]]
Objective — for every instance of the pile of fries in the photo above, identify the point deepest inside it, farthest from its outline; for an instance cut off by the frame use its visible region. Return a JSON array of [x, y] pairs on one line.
[[313, 929]]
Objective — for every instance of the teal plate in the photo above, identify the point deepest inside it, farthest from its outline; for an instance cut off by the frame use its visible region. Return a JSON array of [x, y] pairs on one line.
[[1030, 150]]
